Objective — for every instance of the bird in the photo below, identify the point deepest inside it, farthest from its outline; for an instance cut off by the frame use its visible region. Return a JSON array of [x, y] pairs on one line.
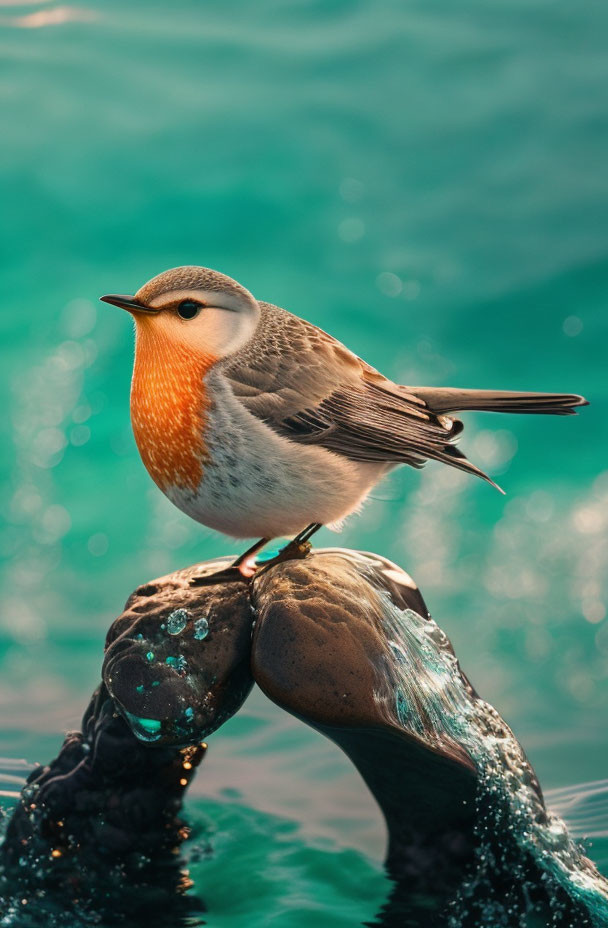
[[258, 424]]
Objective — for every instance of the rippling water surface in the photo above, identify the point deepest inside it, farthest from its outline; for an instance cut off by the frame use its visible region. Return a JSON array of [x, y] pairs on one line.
[[427, 182]]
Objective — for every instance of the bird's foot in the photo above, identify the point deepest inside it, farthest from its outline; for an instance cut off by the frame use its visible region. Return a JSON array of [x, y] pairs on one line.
[[241, 571], [295, 550], [231, 574], [246, 567]]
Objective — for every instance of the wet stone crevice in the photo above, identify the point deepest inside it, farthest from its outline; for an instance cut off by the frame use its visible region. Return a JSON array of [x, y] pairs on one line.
[[102, 816], [343, 641]]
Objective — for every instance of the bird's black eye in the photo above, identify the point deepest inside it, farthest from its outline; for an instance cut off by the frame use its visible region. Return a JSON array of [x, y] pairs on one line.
[[188, 309]]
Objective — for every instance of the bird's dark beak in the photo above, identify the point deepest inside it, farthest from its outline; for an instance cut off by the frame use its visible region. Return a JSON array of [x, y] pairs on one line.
[[127, 302]]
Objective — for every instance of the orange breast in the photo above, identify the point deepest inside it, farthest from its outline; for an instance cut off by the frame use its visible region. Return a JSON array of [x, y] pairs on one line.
[[168, 410]]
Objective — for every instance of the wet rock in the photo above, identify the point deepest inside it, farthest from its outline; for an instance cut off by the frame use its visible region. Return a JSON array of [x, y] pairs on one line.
[[177, 662], [342, 640]]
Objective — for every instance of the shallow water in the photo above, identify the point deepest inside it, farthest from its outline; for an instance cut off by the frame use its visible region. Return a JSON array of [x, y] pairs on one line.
[[428, 184]]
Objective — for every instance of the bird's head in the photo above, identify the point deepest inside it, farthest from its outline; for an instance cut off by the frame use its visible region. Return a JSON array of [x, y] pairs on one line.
[[195, 308]]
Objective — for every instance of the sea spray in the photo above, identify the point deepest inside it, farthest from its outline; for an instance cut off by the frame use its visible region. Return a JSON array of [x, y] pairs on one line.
[[518, 842]]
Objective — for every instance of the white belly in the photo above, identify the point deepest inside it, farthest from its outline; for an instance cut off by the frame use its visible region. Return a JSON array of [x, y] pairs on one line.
[[258, 484]]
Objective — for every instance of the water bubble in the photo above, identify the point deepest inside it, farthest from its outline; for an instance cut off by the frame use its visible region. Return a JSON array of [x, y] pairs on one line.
[[98, 544], [178, 663], [48, 447], [81, 413], [201, 629], [389, 284], [144, 729], [177, 621], [80, 435], [593, 610]]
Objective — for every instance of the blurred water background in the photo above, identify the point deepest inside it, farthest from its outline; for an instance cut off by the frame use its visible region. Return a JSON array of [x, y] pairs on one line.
[[427, 182]]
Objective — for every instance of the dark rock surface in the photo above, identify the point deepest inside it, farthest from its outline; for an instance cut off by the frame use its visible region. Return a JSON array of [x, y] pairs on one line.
[[319, 651], [177, 660], [97, 831]]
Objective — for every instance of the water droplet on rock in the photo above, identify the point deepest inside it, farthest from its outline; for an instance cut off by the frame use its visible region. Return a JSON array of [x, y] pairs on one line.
[[177, 621], [201, 629], [144, 729], [178, 663]]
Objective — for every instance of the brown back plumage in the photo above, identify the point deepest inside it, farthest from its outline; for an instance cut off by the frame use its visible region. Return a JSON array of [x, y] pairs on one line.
[[310, 388]]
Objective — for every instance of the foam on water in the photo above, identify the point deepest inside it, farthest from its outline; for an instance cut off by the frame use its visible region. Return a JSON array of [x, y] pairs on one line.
[[434, 701]]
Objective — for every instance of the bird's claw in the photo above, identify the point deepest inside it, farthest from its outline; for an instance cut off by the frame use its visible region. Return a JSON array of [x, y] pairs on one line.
[[295, 550], [228, 575]]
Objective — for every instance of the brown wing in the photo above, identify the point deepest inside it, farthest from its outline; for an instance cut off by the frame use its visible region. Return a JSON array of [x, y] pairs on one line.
[[308, 387]]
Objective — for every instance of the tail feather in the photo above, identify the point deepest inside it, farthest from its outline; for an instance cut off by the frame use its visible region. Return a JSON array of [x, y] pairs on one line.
[[442, 400], [448, 399]]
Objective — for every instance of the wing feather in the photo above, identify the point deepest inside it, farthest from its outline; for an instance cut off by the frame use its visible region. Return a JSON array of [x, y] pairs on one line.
[[310, 388]]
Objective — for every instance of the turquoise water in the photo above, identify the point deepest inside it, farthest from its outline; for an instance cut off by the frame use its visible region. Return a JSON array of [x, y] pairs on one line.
[[429, 184]]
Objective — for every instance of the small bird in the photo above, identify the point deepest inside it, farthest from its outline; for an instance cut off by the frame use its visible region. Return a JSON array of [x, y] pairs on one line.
[[257, 423]]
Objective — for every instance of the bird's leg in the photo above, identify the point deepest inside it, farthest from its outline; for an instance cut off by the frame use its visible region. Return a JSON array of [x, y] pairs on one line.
[[297, 549], [307, 534], [246, 560], [242, 570]]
